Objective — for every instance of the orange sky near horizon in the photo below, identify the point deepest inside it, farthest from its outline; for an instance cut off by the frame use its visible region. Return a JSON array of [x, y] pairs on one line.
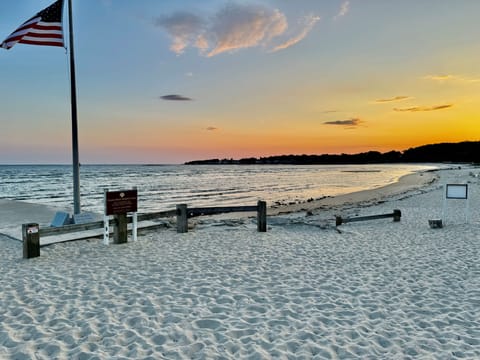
[[225, 79]]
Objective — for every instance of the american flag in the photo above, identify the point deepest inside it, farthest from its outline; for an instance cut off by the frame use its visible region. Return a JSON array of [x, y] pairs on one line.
[[45, 28]]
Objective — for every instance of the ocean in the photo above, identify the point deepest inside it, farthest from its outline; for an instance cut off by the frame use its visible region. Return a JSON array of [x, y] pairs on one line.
[[162, 187]]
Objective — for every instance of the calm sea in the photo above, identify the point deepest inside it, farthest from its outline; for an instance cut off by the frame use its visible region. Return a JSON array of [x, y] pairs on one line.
[[161, 187]]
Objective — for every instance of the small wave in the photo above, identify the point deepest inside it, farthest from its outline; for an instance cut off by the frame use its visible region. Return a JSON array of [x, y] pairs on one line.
[[161, 187]]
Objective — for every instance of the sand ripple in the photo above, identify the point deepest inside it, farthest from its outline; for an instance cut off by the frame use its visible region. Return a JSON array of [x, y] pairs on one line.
[[377, 290]]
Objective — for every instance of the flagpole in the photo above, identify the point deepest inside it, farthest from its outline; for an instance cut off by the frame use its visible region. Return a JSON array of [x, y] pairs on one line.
[[73, 90]]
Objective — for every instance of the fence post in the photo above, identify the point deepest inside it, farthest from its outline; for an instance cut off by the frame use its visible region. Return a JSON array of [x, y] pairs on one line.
[[120, 230], [31, 240], [262, 216], [338, 220], [182, 218], [397, 214]]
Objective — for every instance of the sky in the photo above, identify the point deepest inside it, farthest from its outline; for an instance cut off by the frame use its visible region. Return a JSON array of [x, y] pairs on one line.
[[168, 81]]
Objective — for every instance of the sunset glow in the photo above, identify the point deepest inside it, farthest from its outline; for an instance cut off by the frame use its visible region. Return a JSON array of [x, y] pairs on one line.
[[170, 81]]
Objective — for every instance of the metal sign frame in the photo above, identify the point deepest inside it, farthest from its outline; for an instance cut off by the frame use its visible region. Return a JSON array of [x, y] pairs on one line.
[[456, 192]]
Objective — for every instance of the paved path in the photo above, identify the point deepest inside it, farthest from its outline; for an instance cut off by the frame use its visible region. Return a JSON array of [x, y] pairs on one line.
[[15, 213]]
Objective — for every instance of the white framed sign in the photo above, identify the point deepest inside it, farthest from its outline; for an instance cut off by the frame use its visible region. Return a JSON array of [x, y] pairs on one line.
[[116, 203], [457, 191]]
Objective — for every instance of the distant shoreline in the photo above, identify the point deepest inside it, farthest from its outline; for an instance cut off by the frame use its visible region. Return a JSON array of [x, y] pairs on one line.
[[462, 152]]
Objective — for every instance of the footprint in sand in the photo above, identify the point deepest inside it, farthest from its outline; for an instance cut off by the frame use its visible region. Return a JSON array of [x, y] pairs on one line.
[[208, 324]]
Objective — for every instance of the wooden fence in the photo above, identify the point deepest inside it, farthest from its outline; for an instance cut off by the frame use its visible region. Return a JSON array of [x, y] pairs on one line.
[[396, 215], [184, 213], [31, 233]]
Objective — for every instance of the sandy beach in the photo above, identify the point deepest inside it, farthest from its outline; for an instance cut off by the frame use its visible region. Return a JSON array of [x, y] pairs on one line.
[[304, 290]]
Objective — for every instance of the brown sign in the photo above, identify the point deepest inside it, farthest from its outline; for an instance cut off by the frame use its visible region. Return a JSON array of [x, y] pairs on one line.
[[120, 202]]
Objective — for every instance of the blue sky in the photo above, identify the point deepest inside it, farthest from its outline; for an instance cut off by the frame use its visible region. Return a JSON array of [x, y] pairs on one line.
[[251, 78]]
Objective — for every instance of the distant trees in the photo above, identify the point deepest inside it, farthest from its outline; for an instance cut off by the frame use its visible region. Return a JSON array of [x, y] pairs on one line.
[[467, 151]]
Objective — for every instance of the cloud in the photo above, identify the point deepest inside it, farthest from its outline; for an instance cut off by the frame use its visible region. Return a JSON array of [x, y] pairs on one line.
[[444, 78], [424, 108], [242, 26], [309, 23], [211, 128], [343, 10], [439, 77], [349, 123], [329, 111], [234, 27], [183, 28], [175, 97], [393, 99]]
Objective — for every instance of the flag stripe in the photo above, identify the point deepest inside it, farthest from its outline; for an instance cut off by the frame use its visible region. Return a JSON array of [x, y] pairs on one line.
[[40, 42], [40, 36], [45, 28], [22, 30], [36, 32]]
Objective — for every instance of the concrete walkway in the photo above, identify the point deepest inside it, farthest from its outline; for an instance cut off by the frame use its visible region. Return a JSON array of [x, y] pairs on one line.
[[15, 213]]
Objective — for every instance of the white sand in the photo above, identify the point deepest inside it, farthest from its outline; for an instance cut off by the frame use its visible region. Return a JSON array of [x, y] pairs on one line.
[[376, 290]]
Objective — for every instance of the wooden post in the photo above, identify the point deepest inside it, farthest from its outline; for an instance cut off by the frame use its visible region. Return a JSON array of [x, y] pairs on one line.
[[338, 220], [262, 216], [397, 214], [120, 230], [31, 240], [182, 219]]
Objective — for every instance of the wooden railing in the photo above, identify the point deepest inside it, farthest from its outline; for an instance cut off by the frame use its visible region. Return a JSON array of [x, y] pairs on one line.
[[396, 215], [31, 233], [184, 213]]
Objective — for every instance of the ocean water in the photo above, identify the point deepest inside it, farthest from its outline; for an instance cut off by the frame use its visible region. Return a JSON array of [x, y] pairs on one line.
[[161, 187]]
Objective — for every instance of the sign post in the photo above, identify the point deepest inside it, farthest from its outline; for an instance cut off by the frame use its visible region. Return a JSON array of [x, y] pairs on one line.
[[31, 240], [456, 192], [119, 203]]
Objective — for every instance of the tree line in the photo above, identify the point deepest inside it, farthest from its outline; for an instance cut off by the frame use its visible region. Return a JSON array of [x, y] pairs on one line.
[[462, 152]]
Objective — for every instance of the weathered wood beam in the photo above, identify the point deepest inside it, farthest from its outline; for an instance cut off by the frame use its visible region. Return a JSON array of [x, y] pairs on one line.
[[396, 215]]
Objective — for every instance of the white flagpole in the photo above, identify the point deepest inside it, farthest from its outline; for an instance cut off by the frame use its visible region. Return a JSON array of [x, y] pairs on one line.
[[73, 89]]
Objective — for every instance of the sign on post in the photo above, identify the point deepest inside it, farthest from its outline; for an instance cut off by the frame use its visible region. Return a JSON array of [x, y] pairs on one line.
[[31, 240], [119, 203], [456, 192]]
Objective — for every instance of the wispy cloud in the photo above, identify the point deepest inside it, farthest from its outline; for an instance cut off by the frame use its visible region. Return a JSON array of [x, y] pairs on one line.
[[175, 97], [445, 77], [307, 26], [424, 108], [344, 8], [235, 26], [211, 128], [329, 111], [393, 99], [348, 124], [183, 27]]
